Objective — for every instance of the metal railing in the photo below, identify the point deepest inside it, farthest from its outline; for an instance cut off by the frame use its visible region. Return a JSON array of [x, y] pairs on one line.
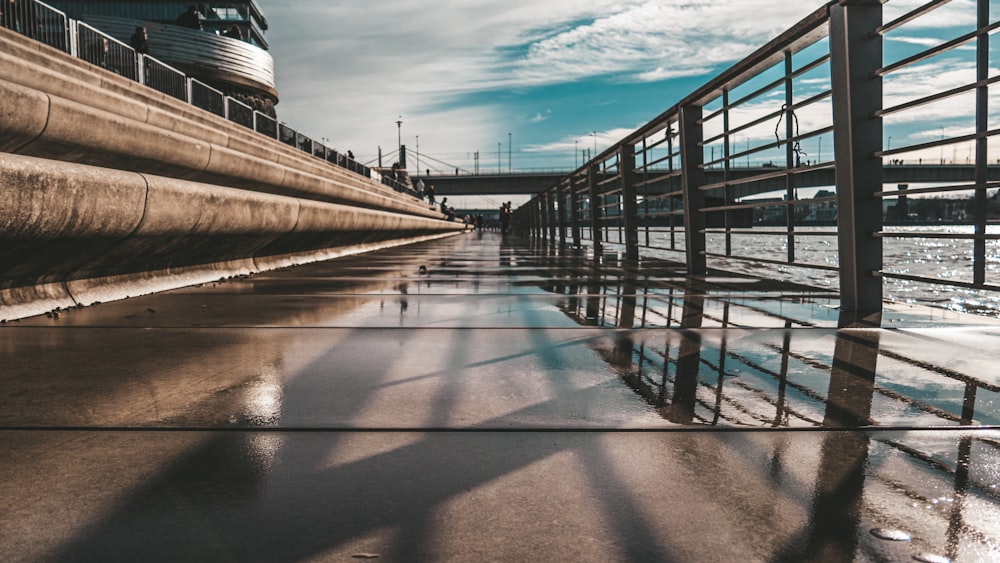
[[37, 20], [770, 379], [688, 184]]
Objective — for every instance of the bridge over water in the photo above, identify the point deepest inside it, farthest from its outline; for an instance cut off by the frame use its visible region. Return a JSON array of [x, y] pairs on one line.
[[764, 179], [222, 344]]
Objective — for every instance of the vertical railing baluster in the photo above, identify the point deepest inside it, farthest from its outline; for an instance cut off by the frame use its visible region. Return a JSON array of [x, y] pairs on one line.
[[692, 179], [595, 211], [982, 125], [561, 213], [791, 160], [550, 215], [629, 207], [856, 55], [574, 202], [726, 172]]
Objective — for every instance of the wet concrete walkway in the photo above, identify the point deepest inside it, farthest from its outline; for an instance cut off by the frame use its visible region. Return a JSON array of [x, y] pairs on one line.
[[480, 399]]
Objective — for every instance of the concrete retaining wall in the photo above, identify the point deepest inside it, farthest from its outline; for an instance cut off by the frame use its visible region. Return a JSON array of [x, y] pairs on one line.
[[109, 189], [77, 234]]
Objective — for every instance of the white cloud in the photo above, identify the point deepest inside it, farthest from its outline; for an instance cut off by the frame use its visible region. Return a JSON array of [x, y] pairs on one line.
[[347, 70], [954, 13], [656, 40], [600, 140], [540, 117]]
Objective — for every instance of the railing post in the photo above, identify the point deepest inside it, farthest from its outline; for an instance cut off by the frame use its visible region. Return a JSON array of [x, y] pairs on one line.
[[692, 178], [540, 217], [561, 214], [550, 214], [630, 208], [982, 126], [595, 211], [790, 160], [855, 57], [574, 202]]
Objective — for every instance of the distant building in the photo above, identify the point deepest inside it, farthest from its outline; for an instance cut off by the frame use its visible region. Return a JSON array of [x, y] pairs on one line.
[[239, 66]]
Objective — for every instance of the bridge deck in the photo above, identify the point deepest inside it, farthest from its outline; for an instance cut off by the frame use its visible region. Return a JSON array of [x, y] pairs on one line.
[[508, 403]]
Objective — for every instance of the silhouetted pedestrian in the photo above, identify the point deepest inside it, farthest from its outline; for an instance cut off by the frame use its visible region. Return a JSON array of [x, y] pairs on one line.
[[191, 18], [140, 41], [234, 32], [505, 218], [430, 195]]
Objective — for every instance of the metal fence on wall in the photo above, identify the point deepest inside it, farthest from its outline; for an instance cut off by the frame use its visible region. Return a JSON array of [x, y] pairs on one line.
[[48, 25], [784, 152]]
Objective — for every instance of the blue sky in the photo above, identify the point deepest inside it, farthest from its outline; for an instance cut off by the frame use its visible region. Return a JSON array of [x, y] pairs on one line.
[[561, 75], [463, 75]]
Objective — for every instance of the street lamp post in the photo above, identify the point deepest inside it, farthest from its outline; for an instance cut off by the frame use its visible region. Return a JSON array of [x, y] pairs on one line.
[[498, 158], [594, 135], [399, 139], [418, 155], [576, 154], [510, 169]]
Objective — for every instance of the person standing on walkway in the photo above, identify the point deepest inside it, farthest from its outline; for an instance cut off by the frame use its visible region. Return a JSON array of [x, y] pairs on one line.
[[420, 188], [191, 18], [430, 195], [140, 41], [504, 217]]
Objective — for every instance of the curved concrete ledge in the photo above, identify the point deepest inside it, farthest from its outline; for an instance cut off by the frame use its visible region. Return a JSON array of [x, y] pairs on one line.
[[76, 234], [42, 68], [24, 114], [113, 190], [102, 119]]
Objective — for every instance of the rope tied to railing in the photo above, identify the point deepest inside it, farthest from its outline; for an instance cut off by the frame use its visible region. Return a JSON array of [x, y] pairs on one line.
[[796, 147]]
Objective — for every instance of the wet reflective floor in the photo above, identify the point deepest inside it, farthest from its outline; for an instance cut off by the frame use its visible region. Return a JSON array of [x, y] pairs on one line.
[[476, 398]]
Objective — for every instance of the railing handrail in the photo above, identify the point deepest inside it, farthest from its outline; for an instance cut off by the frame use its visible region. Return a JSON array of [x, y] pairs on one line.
[[829, 66]]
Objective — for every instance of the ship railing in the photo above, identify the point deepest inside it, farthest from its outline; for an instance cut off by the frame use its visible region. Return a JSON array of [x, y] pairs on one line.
[[203, 96], [42, 22], [239, 113]]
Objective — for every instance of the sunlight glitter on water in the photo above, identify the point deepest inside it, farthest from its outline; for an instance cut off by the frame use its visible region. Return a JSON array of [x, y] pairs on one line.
[[948, 260]]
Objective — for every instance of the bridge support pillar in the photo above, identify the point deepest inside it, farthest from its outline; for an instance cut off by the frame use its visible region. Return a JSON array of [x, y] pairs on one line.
[[855, 57]]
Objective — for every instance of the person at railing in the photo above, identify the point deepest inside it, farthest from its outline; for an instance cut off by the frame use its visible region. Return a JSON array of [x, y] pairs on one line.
[[140, 41], [505, 217], [191, 18], [97, 52], [8, 18], [420, 188], [430, 195], [20, 16], [234, 32]]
